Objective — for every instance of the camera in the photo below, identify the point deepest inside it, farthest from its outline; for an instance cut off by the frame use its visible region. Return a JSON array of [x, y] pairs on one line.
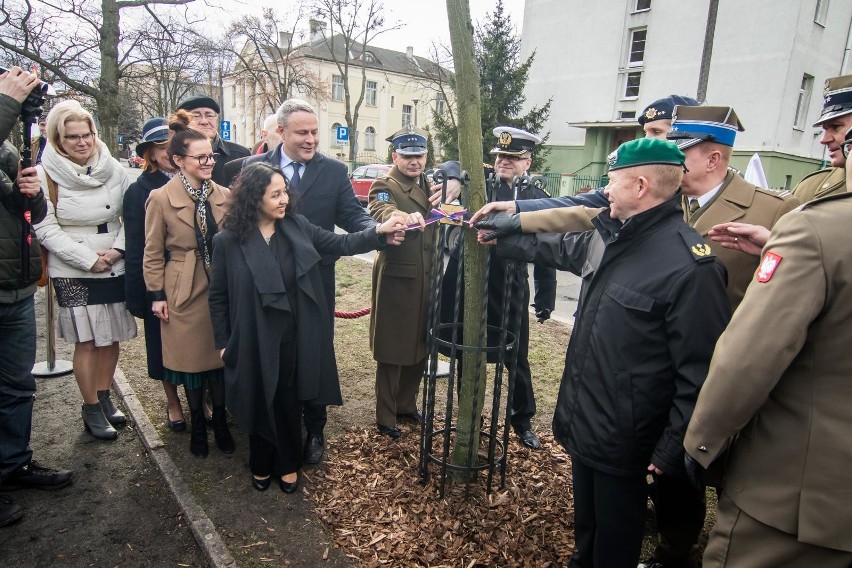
[[31, 107]]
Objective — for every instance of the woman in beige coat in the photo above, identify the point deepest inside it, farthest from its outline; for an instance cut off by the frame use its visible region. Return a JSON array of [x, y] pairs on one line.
[[180, 221]]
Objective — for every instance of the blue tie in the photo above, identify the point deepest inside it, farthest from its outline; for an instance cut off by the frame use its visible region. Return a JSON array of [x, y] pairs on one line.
[[295, 179]]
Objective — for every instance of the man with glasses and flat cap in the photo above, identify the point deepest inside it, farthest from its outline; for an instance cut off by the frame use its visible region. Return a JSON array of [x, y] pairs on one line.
[[205, 117]]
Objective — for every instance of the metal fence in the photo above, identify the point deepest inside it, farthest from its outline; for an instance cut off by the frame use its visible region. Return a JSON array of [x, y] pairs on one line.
[[582, 184]]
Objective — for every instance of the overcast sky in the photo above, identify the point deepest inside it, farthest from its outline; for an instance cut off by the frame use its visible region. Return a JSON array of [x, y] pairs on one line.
[[422, 22]]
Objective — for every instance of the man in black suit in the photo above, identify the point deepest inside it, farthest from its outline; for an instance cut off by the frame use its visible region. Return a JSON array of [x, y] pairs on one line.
[[321, 191], [205, 117]]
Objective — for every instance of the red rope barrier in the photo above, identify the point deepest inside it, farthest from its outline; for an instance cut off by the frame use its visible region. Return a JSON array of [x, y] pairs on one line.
[[352, 315]]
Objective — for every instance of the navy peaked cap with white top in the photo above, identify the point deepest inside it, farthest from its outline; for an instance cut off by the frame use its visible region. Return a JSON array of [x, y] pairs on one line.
[[692, 125], [513, 141]]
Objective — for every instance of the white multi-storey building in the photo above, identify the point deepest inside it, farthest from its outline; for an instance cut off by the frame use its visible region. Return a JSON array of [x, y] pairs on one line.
[[604, 61], [400, 90]]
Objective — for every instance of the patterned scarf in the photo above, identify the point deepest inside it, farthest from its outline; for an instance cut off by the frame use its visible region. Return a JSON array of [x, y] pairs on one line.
[[203, 213]]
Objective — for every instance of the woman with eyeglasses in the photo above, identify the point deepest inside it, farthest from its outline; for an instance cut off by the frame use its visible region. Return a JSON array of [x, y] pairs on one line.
[[181, 219], [268, 308], [84, 236], [156, 172]]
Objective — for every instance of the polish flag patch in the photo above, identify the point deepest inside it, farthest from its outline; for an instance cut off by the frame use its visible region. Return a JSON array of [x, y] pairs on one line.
[[767, 266]]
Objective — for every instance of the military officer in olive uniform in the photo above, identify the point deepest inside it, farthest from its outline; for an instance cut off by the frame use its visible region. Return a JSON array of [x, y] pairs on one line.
[[512, 158], [778, 395], [835, 120], [401, 284]]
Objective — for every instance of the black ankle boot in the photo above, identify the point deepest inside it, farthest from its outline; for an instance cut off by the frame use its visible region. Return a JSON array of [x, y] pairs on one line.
[[114, 415], [198, 440], [224, 441]]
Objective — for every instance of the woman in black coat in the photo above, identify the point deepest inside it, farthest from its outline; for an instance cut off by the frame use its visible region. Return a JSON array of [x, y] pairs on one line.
[[270, 317], [158, 170]]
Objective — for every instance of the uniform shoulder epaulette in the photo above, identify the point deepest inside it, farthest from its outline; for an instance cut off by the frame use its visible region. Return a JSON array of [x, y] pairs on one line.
[[488, 166], [699, 250], [780, 193], [835, 197], [812, 174]]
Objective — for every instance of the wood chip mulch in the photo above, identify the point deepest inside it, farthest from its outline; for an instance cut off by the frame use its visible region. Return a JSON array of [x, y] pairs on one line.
[[370, 496]]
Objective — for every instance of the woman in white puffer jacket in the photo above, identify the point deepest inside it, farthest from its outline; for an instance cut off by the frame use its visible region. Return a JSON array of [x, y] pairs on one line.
[[85, 239]]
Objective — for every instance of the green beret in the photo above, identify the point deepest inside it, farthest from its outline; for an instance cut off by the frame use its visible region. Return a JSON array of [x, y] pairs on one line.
[[645, 151]]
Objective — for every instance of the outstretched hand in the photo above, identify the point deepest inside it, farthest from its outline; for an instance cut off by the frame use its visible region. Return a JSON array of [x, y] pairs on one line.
[[505, 206], [496, 225], [453, 192], [393, 229], [744, 237]]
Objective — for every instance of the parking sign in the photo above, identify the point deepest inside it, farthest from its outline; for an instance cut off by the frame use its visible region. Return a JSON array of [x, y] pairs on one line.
[[342, 134], [225, 129]]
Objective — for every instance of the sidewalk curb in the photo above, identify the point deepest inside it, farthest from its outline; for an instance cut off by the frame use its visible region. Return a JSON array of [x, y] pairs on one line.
[[202, 527]]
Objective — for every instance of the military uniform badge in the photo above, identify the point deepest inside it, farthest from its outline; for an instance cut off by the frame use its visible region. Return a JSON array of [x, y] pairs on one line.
[[505, 139], [383, 196], [768, 266], [652, 113], [612, 158]]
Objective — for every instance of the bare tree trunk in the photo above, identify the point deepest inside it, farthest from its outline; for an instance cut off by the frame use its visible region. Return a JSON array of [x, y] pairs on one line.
[[470, 155], [707, 53], [109, 105]]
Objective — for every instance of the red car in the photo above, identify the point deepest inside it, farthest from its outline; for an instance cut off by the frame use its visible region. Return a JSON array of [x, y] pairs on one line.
[[135, 162], [364, 176]]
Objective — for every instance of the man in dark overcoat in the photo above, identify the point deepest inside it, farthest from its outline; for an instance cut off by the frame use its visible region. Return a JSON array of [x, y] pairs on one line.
[[651, 307], [321, 191], [401, 284]]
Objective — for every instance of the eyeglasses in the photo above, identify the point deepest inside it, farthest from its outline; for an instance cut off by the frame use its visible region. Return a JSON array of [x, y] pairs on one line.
[[510, 158], [203, 159], [74, 138], [206, 115]]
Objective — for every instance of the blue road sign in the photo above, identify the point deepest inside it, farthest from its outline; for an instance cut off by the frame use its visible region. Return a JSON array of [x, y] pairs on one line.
[[342, 133], [121, 138], [225, 129]]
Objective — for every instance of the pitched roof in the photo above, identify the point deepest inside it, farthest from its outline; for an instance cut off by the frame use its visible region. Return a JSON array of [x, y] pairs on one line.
[[383, 59]]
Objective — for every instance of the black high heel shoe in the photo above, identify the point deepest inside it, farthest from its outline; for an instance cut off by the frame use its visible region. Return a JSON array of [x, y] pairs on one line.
[[175, 425], [287, 487], [261, 484]]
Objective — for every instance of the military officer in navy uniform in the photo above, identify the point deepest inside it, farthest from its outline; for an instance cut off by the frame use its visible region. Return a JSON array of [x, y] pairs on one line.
[[512, 159]]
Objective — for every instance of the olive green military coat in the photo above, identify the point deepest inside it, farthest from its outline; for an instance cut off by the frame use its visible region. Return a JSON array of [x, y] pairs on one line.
[[822, 183], [401, 274], [780, 383]]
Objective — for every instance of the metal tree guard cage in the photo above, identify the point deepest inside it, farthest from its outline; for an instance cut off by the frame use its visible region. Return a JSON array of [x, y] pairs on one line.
[[446, 337]]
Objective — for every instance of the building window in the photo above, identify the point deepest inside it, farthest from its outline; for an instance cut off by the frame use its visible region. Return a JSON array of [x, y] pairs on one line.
[[406, 115], [642, 5], [369, 57], [631, 85], [234, 95], [336, 88], [440, 103], [636, 57], [393, 102], [370, 138], [370, 93], [627, 115], [820, 12], [803, 102]]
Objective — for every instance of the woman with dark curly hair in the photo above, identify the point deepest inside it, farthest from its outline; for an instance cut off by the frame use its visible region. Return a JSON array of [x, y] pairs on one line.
[[180, 221], [269, 311]]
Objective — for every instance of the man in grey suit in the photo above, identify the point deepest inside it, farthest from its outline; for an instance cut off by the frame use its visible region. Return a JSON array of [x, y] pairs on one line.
[[321, 191]]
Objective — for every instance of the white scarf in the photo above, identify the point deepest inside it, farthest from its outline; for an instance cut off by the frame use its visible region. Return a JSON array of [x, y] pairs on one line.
[[97, 172]]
